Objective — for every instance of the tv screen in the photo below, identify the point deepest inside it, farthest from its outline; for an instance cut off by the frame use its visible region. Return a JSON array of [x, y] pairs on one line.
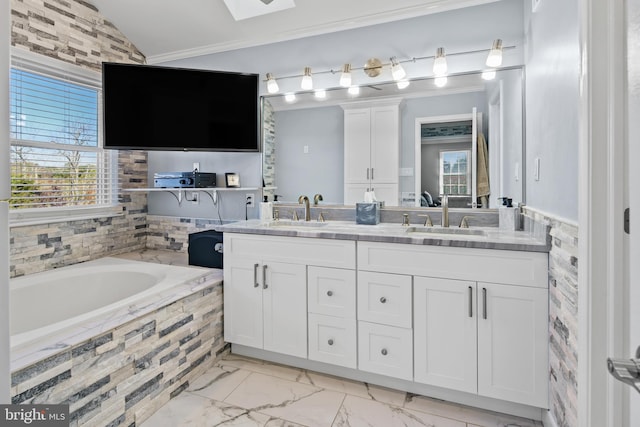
[[160, 108]]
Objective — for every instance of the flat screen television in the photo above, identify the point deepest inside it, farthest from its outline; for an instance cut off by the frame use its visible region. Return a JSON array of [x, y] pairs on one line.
[[161, 108]]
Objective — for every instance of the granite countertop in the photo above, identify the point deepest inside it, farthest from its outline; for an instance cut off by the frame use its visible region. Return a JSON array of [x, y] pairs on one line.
[[490, 237]]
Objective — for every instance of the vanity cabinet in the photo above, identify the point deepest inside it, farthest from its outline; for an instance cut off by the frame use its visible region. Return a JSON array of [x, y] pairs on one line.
[[371, 151], [265, 288], [480, 317]]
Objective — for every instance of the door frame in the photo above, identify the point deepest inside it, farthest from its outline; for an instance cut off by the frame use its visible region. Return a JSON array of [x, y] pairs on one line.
[[602, 329]]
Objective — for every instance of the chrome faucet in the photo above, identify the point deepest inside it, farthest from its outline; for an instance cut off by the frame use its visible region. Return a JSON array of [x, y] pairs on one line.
[[427, 220], [445, 211], [317, 198], [307, 210]]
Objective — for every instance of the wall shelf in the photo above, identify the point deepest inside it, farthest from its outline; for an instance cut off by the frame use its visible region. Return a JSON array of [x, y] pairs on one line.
[[179, 193]]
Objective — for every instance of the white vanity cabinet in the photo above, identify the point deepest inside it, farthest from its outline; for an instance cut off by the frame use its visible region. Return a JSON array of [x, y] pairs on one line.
[[479, 317], [265, 288], [371, 151]]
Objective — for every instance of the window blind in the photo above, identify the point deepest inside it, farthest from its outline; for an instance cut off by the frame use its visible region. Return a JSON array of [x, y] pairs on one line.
[[56, 155]]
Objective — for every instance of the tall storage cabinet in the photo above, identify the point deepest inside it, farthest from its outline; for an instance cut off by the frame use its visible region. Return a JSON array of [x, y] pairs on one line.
[[371, 151]]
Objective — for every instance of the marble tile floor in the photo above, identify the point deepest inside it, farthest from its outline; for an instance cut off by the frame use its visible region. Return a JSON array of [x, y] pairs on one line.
[[240, 391]]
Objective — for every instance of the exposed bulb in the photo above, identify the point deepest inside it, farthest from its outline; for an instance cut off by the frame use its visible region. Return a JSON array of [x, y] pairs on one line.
[[440, 63], [307, 81], [397, 71], [272, 85], [495, 54], [345, 77]]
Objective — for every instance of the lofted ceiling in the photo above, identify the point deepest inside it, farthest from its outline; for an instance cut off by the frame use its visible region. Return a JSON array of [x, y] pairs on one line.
[[165, 30]]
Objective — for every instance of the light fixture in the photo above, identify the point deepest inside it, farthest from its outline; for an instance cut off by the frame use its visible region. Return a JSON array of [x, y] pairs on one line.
[[495, 54], [290, 97], [354, 90], [345, 77], [320, 93], [440, 81], [489, 74], [403, 84], [440, 63], [307, 81], [272, 85], [397, 71]]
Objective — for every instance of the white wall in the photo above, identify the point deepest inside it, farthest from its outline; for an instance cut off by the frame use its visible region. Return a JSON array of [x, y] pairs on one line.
[[5, 36], [552, 57]]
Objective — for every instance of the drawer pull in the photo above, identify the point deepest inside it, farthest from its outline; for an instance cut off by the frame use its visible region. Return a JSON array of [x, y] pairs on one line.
[[384, 352], [330, 342], [264, 277], [383, 300], [329, 293], [470, 301], [255, 275]]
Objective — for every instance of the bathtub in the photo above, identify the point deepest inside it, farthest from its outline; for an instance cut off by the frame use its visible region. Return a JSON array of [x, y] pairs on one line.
[[46, 306]]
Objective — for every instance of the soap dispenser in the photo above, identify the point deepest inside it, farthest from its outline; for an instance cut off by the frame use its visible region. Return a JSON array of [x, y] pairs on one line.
[[266, 210]]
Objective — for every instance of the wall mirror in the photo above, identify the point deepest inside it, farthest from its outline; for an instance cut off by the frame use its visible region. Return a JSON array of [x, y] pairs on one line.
[[443, 133]]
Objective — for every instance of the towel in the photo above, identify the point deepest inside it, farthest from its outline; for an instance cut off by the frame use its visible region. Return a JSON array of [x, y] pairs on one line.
[[482, 183]]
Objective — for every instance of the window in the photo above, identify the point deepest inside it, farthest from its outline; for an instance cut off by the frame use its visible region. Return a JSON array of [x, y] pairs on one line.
[[455, 174], [57, 162]]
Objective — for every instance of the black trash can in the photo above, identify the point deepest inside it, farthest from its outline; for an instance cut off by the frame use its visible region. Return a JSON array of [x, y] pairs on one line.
[[205, 249]]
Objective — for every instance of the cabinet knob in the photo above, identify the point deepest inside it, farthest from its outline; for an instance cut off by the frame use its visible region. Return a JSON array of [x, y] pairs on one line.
[[384, 352], [330, 342], [383, 300], [329, 293]]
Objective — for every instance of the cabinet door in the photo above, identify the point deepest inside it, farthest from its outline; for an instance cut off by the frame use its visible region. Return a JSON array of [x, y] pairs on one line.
[[512, 343], [332, 291], [357, 138], [387, 193], [385, 137], [445, 335], [354, 193], [243, 302], [285, 308]]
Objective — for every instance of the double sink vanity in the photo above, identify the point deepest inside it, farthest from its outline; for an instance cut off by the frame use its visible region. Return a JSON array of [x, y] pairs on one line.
[[459, 314]]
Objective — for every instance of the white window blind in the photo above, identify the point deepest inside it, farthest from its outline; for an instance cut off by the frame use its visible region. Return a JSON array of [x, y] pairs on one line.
[[57, 161]]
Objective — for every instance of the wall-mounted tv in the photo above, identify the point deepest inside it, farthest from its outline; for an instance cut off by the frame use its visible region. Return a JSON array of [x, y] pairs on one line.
[[161, 108]]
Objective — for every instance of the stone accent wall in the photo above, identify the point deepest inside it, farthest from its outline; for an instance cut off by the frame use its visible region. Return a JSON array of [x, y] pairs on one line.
[[269, 148], [74, 31], [172, 233], [123, 376], [563, 318]]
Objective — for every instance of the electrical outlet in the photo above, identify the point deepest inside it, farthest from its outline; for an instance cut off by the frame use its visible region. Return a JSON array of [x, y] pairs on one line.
[[250, 200], [195, 198]]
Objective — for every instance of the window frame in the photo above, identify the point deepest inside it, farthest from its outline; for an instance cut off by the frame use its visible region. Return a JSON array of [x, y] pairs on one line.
[[53, 68], [467, 174]]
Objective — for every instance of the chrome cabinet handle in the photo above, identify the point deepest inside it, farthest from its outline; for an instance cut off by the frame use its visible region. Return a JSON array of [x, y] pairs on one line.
[[330, 342], [371, 173], [384, 352], [383, 300], [264, 277], [470, 301], [484, 303], [329, 293], [255, 275]]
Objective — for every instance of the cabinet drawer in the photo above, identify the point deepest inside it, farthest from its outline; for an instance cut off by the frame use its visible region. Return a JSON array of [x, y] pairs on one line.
[[332, 291], [309, 251], [384, 298], [332, 340], [385, 350]]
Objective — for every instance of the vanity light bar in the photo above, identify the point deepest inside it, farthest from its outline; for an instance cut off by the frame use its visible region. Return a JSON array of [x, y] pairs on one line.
[[346, 80]]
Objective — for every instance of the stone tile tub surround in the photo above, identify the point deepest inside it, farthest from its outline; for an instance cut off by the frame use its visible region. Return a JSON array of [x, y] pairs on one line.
[[120, 370]]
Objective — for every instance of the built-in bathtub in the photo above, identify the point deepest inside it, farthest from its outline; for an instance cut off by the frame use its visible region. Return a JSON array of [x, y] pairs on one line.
[[113, 338]]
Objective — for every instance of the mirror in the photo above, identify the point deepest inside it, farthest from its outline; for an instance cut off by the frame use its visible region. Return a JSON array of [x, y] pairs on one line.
[[303, 140]]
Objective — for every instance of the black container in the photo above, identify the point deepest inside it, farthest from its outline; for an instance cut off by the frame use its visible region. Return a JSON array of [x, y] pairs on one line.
[[205, 249]]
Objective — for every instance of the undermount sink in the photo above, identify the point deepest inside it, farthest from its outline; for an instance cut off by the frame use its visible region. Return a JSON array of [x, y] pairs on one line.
[[449, 231], [296, 224]]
